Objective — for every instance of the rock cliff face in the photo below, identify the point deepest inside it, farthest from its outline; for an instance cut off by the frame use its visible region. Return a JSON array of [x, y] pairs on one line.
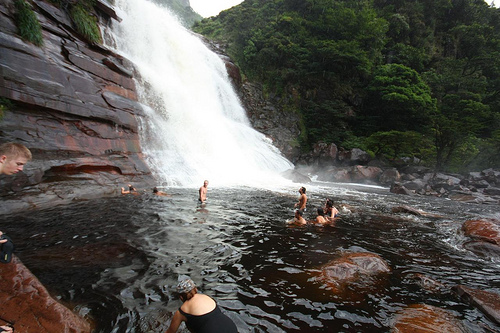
[[74, 106]]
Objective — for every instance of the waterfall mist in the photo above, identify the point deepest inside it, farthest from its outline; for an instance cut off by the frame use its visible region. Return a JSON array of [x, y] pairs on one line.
[[195, 128]]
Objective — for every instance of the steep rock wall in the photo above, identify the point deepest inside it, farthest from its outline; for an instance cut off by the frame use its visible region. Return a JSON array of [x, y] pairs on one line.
[[74, 106]]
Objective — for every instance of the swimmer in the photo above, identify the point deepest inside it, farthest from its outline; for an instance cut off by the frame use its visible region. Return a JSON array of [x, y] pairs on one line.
[[298, 219], [160, 193], [320, 219], [131, 190], [330, 211]]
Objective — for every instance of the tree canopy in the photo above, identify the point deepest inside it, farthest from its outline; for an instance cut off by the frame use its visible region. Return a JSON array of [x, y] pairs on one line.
[[360, 69]]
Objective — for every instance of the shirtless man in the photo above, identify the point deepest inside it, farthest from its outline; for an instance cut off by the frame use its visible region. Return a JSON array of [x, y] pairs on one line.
[[13, 158], [298, 219], [302, 199], [203, 192]]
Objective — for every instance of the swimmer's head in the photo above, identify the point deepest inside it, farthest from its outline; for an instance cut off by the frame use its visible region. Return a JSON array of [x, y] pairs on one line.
[[299, 212], [155, 190], [302, 190], [321, 212]]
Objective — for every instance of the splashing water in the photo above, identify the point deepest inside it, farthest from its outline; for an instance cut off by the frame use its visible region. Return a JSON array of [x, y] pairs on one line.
[[196, 127]]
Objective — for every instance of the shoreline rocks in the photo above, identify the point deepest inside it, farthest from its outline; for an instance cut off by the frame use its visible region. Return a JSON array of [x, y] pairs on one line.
[[332, 164], [27, 303]]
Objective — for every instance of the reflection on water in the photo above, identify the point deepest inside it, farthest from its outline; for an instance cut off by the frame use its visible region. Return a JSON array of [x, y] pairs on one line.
[[118, 260]]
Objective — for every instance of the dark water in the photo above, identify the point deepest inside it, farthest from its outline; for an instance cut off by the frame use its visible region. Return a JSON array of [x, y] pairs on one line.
[[118, 260]]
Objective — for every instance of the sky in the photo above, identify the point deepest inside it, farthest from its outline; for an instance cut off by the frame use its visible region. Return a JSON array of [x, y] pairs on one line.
[[207, 8]]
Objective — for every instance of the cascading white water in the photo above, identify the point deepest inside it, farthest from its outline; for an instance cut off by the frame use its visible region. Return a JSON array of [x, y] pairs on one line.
[[196, 128]]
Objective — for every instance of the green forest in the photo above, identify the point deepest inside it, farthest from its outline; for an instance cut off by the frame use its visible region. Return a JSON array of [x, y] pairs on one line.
[[397, 78]]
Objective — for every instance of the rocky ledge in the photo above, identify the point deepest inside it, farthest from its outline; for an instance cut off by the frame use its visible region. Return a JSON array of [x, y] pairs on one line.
[[330, 163], [74, 106]]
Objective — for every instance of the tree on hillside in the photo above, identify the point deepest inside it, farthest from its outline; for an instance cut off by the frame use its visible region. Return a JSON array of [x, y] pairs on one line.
[[398, 99]]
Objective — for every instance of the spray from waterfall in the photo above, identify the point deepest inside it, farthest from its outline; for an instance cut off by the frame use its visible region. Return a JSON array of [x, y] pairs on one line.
[[196, 128]]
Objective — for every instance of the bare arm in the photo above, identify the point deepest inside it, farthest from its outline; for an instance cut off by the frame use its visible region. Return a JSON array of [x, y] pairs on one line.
[[177, 319]]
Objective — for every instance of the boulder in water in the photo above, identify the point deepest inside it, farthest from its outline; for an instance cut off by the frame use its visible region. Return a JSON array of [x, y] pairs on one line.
[[413, 211], [27, 304], [353, 270], [400, 189], [487, 302], [423, 318], [487, 230]]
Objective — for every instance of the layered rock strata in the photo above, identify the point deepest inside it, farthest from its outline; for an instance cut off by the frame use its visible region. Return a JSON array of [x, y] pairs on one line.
[[74, 106]]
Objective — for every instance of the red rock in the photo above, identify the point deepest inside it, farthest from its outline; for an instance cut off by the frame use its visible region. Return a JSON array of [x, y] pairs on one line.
[[27, 304], [422, 318], [487, 302], [352, 268], [487, 230]]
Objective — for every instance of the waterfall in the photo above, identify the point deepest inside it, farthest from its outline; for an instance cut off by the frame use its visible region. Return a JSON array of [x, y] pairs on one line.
[[195, 128]]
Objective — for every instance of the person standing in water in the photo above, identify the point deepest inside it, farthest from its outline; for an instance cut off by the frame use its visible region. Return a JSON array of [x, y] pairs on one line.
[[13, 158], [203, 192], [200, 312], [302, 199]]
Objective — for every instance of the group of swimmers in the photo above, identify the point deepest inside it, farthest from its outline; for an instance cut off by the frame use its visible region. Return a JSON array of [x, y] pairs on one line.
[[133, 190], [325, 215], [202, 192]]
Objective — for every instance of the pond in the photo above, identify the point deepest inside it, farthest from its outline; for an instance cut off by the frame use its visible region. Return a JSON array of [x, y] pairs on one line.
[[118, 260]]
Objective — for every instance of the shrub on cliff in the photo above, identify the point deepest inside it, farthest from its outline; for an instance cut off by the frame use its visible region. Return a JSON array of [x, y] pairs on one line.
[[86, 23], [27, 23]]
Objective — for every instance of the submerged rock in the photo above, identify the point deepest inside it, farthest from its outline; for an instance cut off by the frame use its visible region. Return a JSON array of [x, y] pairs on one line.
[[423, 318], [487, 302], [353, 270], [413, 211], [27, 304]]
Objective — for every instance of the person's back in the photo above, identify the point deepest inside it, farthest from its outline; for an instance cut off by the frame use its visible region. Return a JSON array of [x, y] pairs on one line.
[[200, 312], [204, 316], [199, 304], [320, 219]]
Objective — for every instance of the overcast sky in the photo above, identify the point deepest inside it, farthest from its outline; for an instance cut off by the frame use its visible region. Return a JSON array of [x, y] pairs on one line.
[[207, 8]]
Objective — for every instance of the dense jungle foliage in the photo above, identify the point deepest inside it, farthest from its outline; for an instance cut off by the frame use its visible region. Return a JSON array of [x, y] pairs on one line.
[[398, 78]]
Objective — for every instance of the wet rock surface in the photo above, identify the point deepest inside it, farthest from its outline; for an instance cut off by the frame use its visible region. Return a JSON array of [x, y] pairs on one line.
[[487, 302], [74, 106], [353, 271], [27, 304], [423, 318]]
